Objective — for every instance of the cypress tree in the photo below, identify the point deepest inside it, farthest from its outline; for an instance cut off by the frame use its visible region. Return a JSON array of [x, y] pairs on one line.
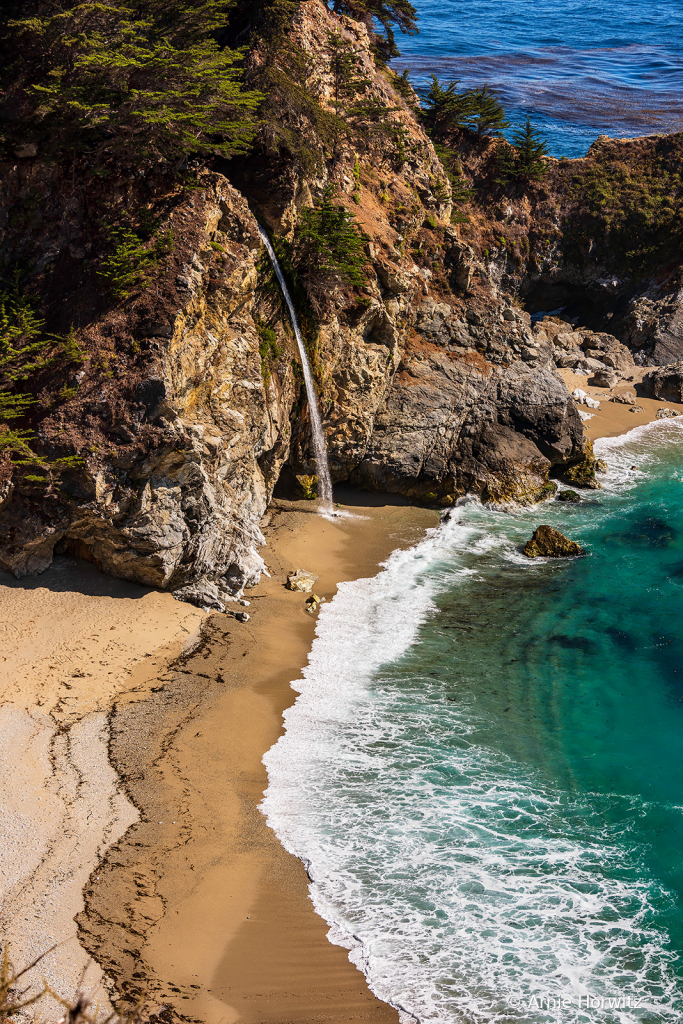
[[329, 250], [531, 148], [486, 115], [389, 14], [139, 80], [446, 109]]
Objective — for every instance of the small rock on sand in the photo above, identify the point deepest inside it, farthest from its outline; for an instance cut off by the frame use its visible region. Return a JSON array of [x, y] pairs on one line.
[[301, 580], [625, 398]]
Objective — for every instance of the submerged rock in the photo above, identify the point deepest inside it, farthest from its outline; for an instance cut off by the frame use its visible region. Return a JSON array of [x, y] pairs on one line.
[[301, 581], [550, 543], [571, 496]]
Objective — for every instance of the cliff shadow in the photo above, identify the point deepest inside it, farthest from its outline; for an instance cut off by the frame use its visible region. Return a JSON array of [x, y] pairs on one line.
[[74, 575]]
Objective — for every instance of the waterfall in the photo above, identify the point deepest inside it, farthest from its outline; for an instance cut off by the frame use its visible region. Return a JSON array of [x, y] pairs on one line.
[[324, 479]]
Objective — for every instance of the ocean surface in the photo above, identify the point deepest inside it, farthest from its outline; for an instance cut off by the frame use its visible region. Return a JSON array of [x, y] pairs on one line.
[[483, 769], [578, 68]]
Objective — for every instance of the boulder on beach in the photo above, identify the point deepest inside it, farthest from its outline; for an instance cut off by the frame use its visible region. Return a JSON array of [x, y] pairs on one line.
[[666, 414], [301, 580], [666, 382], [625, 398], [550, 543], [604, 378]]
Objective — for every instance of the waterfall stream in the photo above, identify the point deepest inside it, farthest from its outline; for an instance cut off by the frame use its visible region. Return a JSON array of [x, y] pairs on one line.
[[324, 479]]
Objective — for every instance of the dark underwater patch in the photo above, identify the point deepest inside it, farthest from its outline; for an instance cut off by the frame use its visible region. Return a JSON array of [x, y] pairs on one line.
[[649, 531], [575, 643]]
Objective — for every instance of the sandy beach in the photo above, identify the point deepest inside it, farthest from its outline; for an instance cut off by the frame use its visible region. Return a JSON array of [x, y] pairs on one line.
[[133, 728], [194, 904], [73, 641], [614, 418]]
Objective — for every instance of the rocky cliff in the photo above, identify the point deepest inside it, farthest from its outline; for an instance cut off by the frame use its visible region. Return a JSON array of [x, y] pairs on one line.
[[185, 407]]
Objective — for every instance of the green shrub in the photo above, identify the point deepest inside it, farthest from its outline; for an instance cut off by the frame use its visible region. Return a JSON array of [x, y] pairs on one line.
[[127, 264], [269, 348], [329, 250]]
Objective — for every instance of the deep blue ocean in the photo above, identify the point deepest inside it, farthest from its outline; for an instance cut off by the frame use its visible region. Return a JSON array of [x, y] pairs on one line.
[[578, 68], [483, 770]]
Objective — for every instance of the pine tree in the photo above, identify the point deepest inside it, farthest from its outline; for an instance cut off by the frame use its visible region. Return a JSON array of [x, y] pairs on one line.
[[22, 352], [356, 114], [138, 80], [531, 149], [486, 115], [25, 350], [329, 250], [403, 86], [389, 14], [446, 109], [345, 66]]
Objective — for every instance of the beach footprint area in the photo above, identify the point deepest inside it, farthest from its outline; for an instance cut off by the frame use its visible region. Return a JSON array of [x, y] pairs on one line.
[[133, 728], [73, 641]]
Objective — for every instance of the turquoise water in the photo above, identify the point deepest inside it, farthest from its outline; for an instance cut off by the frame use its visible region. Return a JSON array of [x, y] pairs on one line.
[[580, 68], [483, 769]]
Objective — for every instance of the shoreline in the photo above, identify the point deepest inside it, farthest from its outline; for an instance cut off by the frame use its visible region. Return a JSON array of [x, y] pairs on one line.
[[224, 926], [163, 749], [613, 419]]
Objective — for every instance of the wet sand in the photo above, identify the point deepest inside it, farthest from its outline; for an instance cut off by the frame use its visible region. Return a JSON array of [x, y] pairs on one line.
[[197, 907]]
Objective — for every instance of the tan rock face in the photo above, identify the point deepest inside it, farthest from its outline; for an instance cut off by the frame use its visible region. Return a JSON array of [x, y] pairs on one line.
[[430, 383], [188, 506]]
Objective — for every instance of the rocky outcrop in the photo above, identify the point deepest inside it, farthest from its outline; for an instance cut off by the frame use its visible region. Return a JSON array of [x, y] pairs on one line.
[[433, 382], [453, 423], [583, 351], [665, 382], [653, 326], [550, 543], [189, 450]]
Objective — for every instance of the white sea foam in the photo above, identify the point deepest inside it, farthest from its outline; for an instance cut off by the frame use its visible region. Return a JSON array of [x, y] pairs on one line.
[[460, 883], [640, 448]]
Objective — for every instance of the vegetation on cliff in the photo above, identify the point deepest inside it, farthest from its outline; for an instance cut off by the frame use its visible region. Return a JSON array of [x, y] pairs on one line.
[[328, 250], [139, 82]]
